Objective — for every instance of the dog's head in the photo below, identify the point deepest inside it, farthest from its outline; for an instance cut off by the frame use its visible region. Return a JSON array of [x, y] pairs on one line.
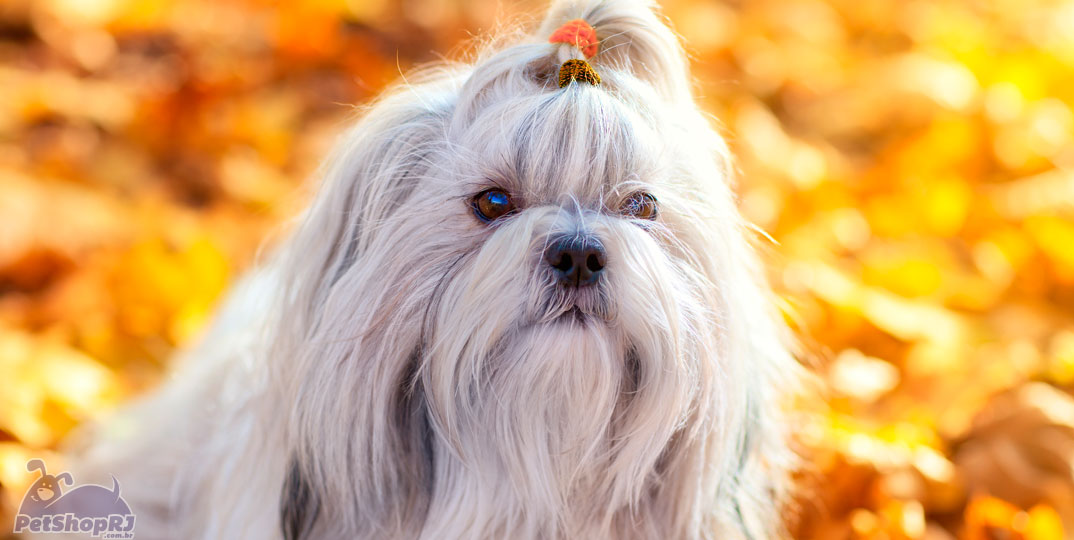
[[45, 490], [512, 291]]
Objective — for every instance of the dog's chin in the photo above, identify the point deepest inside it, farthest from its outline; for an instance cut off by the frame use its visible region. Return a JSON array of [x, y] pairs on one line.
[[576, 317]]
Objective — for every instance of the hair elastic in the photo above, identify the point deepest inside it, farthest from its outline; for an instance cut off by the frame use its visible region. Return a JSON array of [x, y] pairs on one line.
[[578, 33]]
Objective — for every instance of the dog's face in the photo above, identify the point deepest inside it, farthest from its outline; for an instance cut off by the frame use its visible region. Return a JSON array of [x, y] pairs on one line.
[[575, 309], [44, 489], [512, 292]]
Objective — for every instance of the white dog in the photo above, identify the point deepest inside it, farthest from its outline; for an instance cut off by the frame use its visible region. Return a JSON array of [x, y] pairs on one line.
[[514, 310]]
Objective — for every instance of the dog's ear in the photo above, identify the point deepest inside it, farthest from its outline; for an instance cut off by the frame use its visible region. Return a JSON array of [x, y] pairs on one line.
[[632, 37], [337, 382], [36, 465], [64, 478], [374, 168]]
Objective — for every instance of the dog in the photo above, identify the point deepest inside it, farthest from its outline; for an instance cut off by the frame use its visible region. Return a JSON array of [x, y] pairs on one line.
[[46, 508], [522, 304]]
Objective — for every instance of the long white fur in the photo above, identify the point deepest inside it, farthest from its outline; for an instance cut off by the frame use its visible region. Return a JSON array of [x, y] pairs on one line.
[[399, 369]]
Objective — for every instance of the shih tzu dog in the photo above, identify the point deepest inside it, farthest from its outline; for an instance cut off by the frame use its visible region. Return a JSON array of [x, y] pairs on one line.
[[521, 306]]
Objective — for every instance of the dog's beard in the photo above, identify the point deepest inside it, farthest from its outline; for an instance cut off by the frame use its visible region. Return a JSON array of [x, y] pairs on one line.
[[564, 401], [536, 425]]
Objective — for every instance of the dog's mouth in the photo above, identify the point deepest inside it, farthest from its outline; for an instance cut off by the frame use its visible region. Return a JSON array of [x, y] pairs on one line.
[[575, 307], [576, 315]]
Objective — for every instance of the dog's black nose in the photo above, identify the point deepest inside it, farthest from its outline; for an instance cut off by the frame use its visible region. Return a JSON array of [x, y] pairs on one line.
[[576, 260]]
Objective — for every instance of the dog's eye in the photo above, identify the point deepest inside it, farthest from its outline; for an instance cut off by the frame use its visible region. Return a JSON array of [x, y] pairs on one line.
[[492, 204], [640, 204]]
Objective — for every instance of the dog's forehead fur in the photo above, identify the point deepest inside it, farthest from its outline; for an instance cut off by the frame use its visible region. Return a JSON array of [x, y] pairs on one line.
[[579, 145], [589, 145]]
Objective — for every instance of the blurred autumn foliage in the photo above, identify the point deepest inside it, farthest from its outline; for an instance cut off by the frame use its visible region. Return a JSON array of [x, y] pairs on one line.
[[913, 161]]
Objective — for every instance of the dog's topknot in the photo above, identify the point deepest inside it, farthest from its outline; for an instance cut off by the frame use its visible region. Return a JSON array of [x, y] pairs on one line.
[[635, 53], [633, 38]]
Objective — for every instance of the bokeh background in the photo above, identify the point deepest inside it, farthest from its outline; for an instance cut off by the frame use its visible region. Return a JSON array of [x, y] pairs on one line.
[[910, 159]]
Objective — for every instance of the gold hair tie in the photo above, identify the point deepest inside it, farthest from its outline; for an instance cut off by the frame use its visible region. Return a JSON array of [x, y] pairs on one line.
[[577, 70]]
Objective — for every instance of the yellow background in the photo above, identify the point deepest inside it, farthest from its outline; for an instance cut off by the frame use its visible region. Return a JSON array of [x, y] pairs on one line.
[[910, 159]]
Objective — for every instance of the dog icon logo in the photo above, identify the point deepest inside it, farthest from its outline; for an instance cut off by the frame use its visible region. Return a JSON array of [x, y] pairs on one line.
[[91, 509]]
